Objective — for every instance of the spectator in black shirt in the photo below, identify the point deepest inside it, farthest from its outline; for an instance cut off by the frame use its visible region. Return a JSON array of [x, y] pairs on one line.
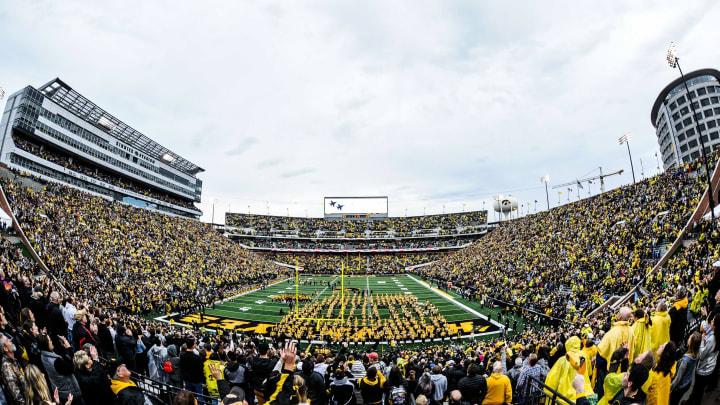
[[192, 367]]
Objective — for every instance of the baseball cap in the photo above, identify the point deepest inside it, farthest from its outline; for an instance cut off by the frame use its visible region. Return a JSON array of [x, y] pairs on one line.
[[235, 396]]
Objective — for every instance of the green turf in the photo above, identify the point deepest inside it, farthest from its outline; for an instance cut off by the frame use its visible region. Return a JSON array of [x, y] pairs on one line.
[[258, 306]]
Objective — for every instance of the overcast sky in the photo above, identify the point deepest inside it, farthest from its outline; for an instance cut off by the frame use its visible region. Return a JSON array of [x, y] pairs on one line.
[[432, 103]]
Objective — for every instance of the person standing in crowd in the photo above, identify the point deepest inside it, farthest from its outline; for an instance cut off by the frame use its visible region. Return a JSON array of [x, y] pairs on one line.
[[175, 376], [707, 357], [499, 389], [660, 326], [439, 382], [685, 369], [81, 334], [678, 317], [126, 391], [126, 347], [314, 382], [91, 377], [12, 374], [57, 327], [69, 314], [192, 367], [620, 333], [372, 387], [661, 375], [59, 368], [260, 368]]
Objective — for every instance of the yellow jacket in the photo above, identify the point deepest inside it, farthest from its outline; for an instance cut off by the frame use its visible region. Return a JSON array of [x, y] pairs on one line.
[[499, 390], [619, 333], [641, 332], [659, 391], [660, 330]]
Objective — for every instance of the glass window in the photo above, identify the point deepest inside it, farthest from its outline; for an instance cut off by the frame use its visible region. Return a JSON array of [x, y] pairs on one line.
[[702, 127], [692, 94], [708, 113], [681, 100], [717, 110], [695, 105], [714, 135], [686, 159], [681, 137], [704, 138], [676, 116], [701, 92], [693, 143], [687, 121], [678, 126], [673, 106], [698, 116], [695, 155], [683, 148], [684, 110], [705, 102], [690, 132], [711, 89], [714, 99], [711, 124]]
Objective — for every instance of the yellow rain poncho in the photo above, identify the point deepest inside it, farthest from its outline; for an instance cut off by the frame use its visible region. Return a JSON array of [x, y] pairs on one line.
[[660, 330], [641, 331], [561, 376]]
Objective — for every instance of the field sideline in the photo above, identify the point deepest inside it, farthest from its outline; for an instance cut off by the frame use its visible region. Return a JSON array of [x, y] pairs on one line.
[[256, 311]]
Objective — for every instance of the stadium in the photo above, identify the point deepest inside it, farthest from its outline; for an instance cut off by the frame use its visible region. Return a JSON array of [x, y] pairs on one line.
[[120, 287]]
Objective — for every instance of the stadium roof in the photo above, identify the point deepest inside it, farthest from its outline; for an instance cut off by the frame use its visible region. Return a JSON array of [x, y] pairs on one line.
[[59, 92], [664, 93]]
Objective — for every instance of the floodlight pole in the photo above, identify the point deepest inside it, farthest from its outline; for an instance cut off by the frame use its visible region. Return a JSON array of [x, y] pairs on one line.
[[626, 140], [702, 143]]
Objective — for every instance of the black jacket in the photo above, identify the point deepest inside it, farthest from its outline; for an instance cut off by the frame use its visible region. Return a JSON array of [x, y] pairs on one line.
[[260, 369], [126, 348], [56, 322], [372, 390], [81, 335], [678, 322], [131, 395], [315, 386], [94, 385], [454, 375], [473, 388], [192, 367], [106, 340]]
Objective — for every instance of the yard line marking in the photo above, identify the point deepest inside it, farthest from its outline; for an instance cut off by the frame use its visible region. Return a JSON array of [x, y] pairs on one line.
[[451, 299]]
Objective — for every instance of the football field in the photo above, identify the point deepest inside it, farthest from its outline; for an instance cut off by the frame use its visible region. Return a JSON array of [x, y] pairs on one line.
[[259, 310]]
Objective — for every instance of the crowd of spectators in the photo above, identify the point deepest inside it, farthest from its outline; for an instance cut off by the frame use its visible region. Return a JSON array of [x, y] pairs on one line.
[[77, 165], [116, 255], [372, 263], [110, 257], [443, 224], [288, 243], [566, 261]]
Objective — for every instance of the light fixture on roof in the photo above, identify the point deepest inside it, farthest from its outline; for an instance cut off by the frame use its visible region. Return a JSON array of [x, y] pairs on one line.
[[545, 179], [2, 93], [105, 122], [672, 58], [168, 158], [625, 139]]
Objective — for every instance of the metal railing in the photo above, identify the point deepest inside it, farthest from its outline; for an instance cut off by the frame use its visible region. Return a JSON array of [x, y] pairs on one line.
[[537, 393]]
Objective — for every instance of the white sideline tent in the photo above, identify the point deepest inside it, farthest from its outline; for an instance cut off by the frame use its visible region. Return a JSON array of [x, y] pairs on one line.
[[5, 219]]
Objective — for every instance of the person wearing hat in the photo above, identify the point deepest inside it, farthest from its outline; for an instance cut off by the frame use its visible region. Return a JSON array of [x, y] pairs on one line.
[[126, 391], [236, 396], [81, 333]]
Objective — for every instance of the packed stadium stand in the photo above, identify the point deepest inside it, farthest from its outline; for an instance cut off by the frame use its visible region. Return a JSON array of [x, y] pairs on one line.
[[59, 135], [623, 285]]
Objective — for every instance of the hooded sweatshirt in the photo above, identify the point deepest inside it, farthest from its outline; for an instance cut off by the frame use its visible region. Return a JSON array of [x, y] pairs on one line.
[[342, 392], [372, 390], [439, 382], [499, 390]]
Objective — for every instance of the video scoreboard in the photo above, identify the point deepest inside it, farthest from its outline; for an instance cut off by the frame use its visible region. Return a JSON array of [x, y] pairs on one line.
[[355, 208]]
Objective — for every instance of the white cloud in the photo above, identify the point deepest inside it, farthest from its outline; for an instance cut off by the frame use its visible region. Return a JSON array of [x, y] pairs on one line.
[[430, 103]]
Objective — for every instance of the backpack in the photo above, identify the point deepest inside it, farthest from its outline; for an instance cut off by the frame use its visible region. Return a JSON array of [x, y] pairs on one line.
[[168, 367], [398, 395]]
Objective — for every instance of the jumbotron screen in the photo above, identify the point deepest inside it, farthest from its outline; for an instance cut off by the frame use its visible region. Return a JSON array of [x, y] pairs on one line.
[[356, 207]]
